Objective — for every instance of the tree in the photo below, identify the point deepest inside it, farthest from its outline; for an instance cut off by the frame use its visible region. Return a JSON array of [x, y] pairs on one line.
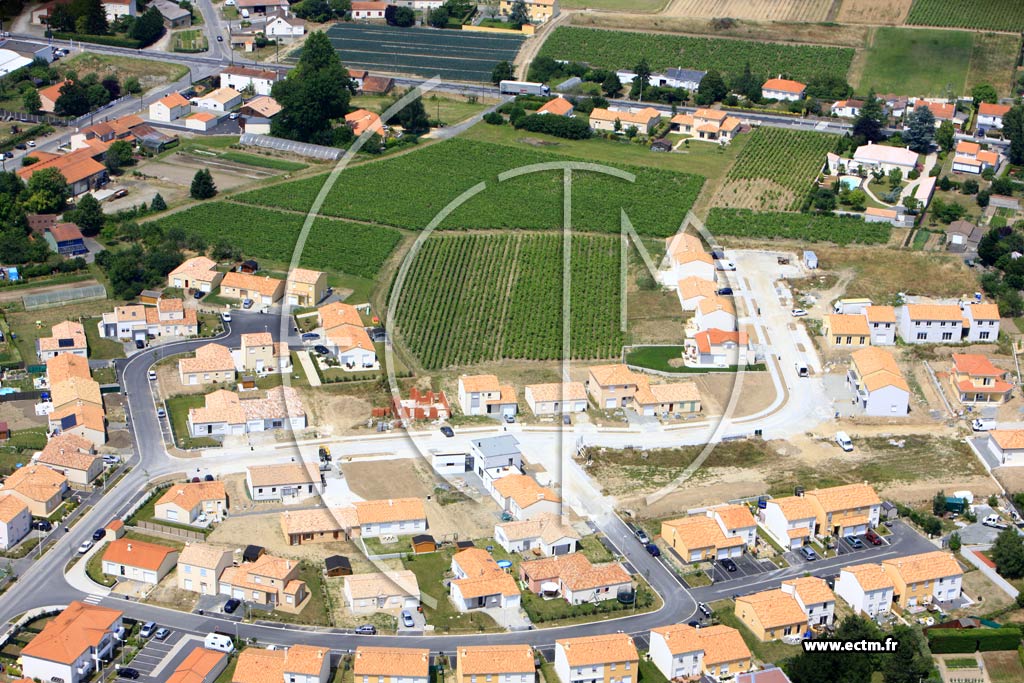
[[827, 666], [30, 100], [519, 16], [920, 130], [112, 86], [119, 155], [1013, 130], [869, 124], [98, 96], [895, 178], [939, 503], [47, 191], [643, 76], [93, 19], [954, 541], [711, 89], [1008, 554], [911, 662], [438, 18], [158, 203], [824, 199], [912, 204], [88, 215], [503, 71], [747, 84], [314, 10], [611, 85], [73, 100], [983, 92], [132, 85], [202, 185], [413, 118], [148, 26], [341, 8], [945, 136]]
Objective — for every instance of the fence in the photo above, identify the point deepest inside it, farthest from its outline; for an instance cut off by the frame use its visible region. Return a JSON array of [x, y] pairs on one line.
[[21, 396], [170, 530], [58, 297], [32, 118]]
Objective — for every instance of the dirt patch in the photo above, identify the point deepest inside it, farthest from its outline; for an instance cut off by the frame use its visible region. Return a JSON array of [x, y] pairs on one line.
[[21, 415], [654, 317], [756, 392], [113, 406], [167, 594], [388, 478], [757, 10], [342, 408], [760, 195], [169, 381], [874, 11]]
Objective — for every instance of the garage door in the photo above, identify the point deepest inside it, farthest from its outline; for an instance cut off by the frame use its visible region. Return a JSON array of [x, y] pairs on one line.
[[736, 552], [238, 593], [858, 530], [695, 556], [609, 403], [293, 300]]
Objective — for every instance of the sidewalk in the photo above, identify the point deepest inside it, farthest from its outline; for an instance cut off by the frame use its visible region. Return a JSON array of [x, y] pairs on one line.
[[974, 556], [79, 580], [307, 366]]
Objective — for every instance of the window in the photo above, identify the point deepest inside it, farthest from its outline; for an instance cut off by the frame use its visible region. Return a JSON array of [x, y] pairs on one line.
[[613, 666], [202, 571], [983, 335], [188, 568], [259, 490], [946, 336], [922, 336]]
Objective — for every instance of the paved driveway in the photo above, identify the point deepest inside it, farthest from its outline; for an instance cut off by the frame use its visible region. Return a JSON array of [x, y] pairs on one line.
[[746, 566], [154, 652]]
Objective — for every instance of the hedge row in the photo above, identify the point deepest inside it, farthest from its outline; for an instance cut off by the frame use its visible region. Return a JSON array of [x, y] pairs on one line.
[[115, 41], [946, 641]]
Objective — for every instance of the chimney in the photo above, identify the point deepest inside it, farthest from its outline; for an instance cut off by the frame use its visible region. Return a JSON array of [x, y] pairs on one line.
[[129, 547]]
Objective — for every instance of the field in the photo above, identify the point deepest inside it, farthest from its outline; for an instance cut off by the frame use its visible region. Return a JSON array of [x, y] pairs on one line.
[[474, 298], [918, 61], [993, 61], [190, 41], [656, 205], [800, 226], [336, 246], [873, 11], [1003, 667], [452, 55], [448, 110], [149, 72], [997, 15], [775, 170], [755, 10], [622, 49], [615, 5]]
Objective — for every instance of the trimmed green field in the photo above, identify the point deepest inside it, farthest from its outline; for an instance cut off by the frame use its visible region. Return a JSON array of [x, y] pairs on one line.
[[332, 245], [474, 298], [802, 226], [997, 15], [623, 49], [190, 41], [918, 61], [408, 191]]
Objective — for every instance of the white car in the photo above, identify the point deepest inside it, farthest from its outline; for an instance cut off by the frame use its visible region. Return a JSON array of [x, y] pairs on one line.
[[799, 312], [84, 548], [226, 317], [31, 143], [725, 265]]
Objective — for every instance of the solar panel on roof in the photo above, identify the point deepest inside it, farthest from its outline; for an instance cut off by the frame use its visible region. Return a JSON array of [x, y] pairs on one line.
[[65, 343], [67, 422]]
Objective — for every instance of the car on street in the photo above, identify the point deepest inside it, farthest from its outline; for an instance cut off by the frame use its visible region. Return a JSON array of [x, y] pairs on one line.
[[31, 143], [161, 413], [994, 522], [322, 350], [129, 673], [366, 630], [873, 538], [162, 633], [653, 550], [233, 115], [808, 554], [231, 605], [641, 535], [799, 312], [84, 548], [199, 294], [140, 344], [152, 375], [247, 303], [854, 542], [220, 39], [704, 609], [510, 419], [21, 145], [310, 336], [448, 431], [693, 623], [148, 629], [728, 564], [42, 525], [99, 534], [983, 424], [724, 291], [407, 620], [225, 316], [725, 265]]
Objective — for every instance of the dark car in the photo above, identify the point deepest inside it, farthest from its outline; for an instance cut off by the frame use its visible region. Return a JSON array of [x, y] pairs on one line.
[[42, 525], [693, 623], [128, 672], [208, 477], [366, 630], [873, 538], [724, 291], [448, 431], [322, 350], [728, 564], [140, 344], [99, 534], [716, 254], [653, 550], [220, 39], [231, 605], [21, 145], [310, 336], [198, 295]]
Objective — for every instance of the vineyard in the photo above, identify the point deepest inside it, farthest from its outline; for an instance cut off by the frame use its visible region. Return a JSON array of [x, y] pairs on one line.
[[840, 230], [335, 246], [408, 191], [474, 298], [996, 15], [621, 49], [754, 10], [775, 170]]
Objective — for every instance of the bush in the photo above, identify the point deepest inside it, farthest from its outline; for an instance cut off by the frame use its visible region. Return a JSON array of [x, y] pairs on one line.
[[945, 641], [559, 126], [114, 41], [494, 118]]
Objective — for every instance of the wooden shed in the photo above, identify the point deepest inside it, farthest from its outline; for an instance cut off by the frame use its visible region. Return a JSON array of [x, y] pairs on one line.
[[338, 565], [423, 543], [149, 297]]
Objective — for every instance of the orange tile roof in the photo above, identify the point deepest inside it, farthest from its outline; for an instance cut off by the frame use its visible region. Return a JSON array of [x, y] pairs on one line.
[[347, 337], [337, 313], [74, 166], [735, 516], [188, 496], [524, 490], [133, 553], [924, 567], [307, 660], [848, 324], [264, 105], [694, 286], [483, 575], [64, 366], [811, 589], [10, 508], [984, 311], [318, 520], [208, 358], [173, 100], [203, 116], [479, 383], [946, 312], [870, 577], [847, 497], [86, 415], [376, 584], [976, 365], [605, 649], [70, 451], [52, 92], [548, 527], [265, 285], [700, 531], [613, 375], [967, 148], [304, 276], [496, 659], [391, 661], [574, 391], [784, 85], [1008, 439], [197, 666], [680, 638], [877, 368], [881, 314], [576, 572], [389, 510], [942, 110], [715, 303], [722, 644], [989, 109], [72, 633], [559, 106], [38, 484], [989, 157], [626, 118], [76, 389], [362, 120], [255, 665], [221, 95], [219, 406], [197, 268], [65, 330], [774, 608], [286, 473], [201, 555], [280, 568], [716, 337]]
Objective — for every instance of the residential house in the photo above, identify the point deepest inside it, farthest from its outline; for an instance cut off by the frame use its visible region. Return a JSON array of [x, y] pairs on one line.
[[814, 597], [715, 312], [362, 120], [284, 27], [222, 99], [290, 482], [612, 386], [783, 89], [170, 108], [72, 456], [575, 579], [933, 577], [643, 120], [976, 381], [318, 525], [700, 537], [790, 521], [878, 385], [40, 488], [270, 581], [264, 290], [376, 591], [495, 663], [666, 399], [263, 6], [261, 107], [683, 652], [174, 15], [345, 336], [845, 330], [80, 168], [259, 353], [240, 78], [483, 395], [897, 217], [894, 105], [846, 510], [771, 614], [391, 665], [193, 503], [200, 666], [930, 323], [717, 348], [545, 534], [772, 674], [49, 95], [1007, 445], [294, 664], [990, 116], [707, 124], [539, 11], [15, 521], [65, 366], [847, 108], [75, 391], [963, 237], [882, 323], [692, 289], [368, 11], [736, 522], [970, 158], [198, 273], [169, 318], [115, 9], [496, 453], [428, 405], [390, 517], [305, 287], [66, 337], [202, 120], [376, 85], [687, 258], [943, 111], [200, 566], [71, 644], [611, 658], [557, 106], [81, 418], [981, 322], [556, 398], [213, 363], [480, 582], [522, 497], [867, 588], [872, 157], [135, 560], [65, 239]]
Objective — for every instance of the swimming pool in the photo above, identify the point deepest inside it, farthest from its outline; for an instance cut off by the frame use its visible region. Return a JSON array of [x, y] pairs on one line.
[[849, 182]]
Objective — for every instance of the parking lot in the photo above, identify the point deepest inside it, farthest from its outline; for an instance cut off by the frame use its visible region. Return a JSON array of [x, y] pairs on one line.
[[154, 652], [746, 566], [843, 548]]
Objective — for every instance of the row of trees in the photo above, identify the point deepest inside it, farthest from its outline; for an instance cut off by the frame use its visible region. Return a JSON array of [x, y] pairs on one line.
[[80, 96], [90, 18]]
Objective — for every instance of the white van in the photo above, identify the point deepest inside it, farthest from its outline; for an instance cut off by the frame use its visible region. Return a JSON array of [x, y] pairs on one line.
[[219, 642], [843, 439], [983, 424], [245, 14]]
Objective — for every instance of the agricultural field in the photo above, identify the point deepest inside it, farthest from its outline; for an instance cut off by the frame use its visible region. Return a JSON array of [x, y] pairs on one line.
[[874, 11], [920, 61], [150, 73], [532, 201], [752, 10], [997, 15], [192, 40], [615, 5], [775, 170], [333, 245], [800, 226], [623, 49], [993, 61], [474, 298], [452, 55]]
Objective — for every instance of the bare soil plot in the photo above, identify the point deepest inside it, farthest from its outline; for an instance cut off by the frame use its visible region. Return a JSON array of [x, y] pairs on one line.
[[873, 11], [756, 10], [167, 594], [981, 589], [342, 408], [654, 317], [1003, 667], [20, 415], [759, 195], [379, 479], [993, 60]]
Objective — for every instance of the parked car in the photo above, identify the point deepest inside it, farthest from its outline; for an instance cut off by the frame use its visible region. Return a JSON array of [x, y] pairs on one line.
[[717, 254], [140, 344], [225, 316], [99, 534], [42, 525], [84, 548], [510, 419], [799, 312], [407, 620], [704, 609], [233, 115], [162, 633], [246, 303], [994, 522], [808, 554], [873, 538], [199, 294], [31, 143], [641, 535], [129, 673], [983, 424], [152, 375], [653, 550], [728, 565], [724, 291], [310, 336], [161, 413], [566, 420], [21, 145], [208, 477], [366, 630], [854, 542], [220, 39], [148, 629], [322, 350], [231, 605], [448, 431]]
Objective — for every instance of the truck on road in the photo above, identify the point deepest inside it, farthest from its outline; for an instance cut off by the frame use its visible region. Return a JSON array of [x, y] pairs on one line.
[[523, 88]]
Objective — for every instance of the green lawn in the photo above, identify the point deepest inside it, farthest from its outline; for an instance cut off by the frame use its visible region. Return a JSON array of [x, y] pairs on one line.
[[430, 570], [190, 41], [920, 61], [101, 347], [962, 663], [316, 612], [276, 379], [649, 672], [24, 325], [658, 357], [375, 547], [94, 568], [177, 412], [147, 513], [774, 651], [546, 612], [592, 548], [263, 161], [150, 72], [449, 110], [547, 670]]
